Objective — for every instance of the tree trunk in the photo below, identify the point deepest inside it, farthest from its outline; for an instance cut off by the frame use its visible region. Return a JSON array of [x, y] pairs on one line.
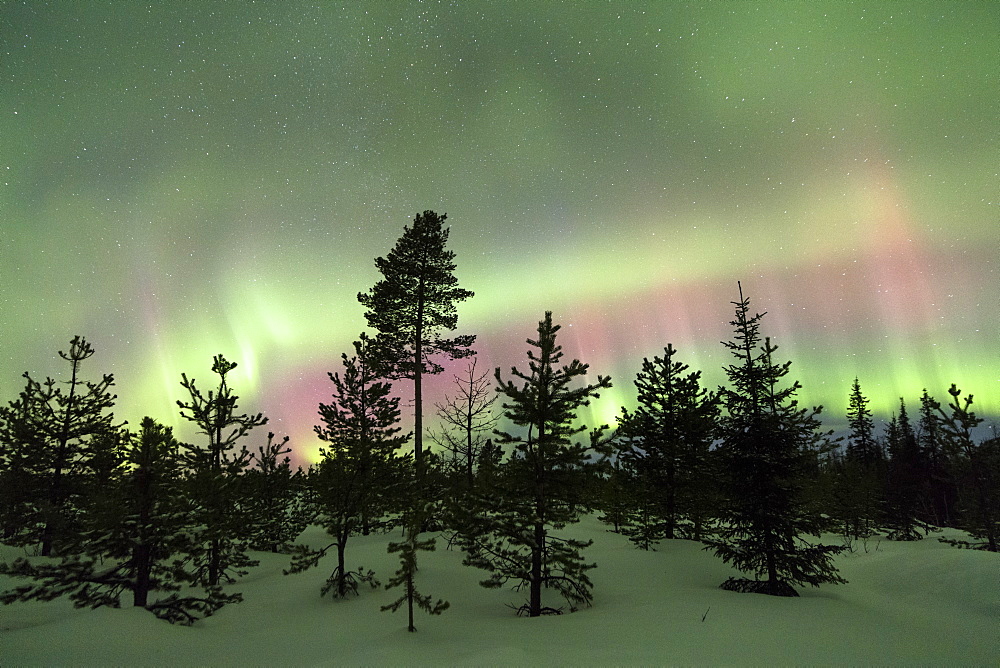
[[214, 559], [142, 552], [671, 500], [215, 549], [341, 572], [409, 601], [418, 373], [769, 556], [985, 507], [469, 454], [418, 417], [56, 490], [535, 601], [538, 550], [141, 555]]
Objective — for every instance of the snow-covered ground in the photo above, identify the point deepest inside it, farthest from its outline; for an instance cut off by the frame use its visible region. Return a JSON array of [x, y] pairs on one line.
[[906, 603]]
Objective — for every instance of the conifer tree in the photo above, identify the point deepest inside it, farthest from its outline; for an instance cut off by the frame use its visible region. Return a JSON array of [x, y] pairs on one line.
[[903, 482], [542, 486], [213, 480], [665, 444], [413, 304], [153, 494], [937, 490], [272, 498], [489, 461], [135, 541], [359, 467], [861, 444], [18, 516], [768, 446], [105, 462], [623, 506], [103, 470], [859, 476], [46, 437], [405, 576], [977, 466]]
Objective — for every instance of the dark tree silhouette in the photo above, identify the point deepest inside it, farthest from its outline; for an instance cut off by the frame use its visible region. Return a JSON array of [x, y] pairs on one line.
[[937, 485], [543, 484], [214, 474], [413, 304], [768, 446], [904, 479], [46, 438], [135, 541], [861, 444], [977, 466], [19, 521], [467, 421], [623, 505], [272, 498], [858, 478], [405, 576], [359, 468], [665, 445]]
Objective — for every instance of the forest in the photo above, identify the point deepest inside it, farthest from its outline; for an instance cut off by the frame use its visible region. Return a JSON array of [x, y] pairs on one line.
[[108, 514]]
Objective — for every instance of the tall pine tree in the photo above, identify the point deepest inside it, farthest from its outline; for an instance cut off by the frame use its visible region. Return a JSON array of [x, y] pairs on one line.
[[413, 304], [768, 446]]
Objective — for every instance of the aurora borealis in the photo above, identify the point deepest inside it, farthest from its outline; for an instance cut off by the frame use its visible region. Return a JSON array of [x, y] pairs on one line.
[[193, 178]]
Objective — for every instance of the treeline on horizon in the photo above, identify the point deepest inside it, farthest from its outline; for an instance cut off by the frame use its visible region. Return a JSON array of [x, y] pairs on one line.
[[108, 512]]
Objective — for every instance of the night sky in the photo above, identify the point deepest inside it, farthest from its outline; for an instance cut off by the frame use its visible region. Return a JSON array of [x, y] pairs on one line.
[[194, 178]]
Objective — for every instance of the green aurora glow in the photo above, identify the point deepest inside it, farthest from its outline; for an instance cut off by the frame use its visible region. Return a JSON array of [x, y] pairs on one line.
[[193, 178]]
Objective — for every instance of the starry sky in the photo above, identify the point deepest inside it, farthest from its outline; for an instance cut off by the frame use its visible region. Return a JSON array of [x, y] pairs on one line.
[[192, 178]]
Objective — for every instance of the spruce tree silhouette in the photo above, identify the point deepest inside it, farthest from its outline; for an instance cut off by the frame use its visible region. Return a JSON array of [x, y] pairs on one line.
[[938, 485], [858, 477], [768, 444], [664, 444], [543, 485], [861, 444], [904, 479]]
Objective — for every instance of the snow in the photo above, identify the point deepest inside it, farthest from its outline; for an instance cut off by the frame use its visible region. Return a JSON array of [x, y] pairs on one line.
[[906, 603]]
